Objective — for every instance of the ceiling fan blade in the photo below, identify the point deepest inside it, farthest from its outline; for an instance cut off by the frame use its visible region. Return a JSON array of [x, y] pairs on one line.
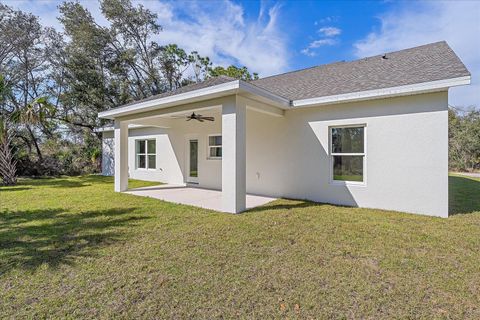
[[208, 118], [188, 119], [200, 119]]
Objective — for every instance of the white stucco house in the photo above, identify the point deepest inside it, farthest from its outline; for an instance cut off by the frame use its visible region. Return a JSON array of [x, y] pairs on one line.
[[369, 133]]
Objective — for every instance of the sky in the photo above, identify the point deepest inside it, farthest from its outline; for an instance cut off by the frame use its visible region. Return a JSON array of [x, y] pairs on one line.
[[271, 37]]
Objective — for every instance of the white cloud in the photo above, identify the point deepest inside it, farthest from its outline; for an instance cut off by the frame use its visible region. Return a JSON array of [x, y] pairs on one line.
[[308, 52], [457, 22], [322, 42], [48, 12], [327, 19], [330, 31], [310, 49], [218, 30], [329, 39]]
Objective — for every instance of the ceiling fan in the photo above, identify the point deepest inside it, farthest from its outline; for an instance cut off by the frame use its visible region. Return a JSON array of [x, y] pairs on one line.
[[197, 117]]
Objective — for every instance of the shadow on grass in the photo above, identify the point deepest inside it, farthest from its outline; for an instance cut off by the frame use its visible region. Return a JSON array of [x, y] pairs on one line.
[[61, 183], [52, 182], [293, 204], [96, 178], [464, 195], [31, 238], [2, 189]]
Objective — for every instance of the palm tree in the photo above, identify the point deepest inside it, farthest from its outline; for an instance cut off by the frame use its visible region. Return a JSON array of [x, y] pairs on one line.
[[34, 113], [8, 165]]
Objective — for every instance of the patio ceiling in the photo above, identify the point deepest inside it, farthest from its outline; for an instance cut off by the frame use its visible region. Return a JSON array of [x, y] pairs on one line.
[[170, 119]]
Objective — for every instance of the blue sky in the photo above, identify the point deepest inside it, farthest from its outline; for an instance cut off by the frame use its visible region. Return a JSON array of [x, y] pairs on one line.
[[271, 37], [330, 27]]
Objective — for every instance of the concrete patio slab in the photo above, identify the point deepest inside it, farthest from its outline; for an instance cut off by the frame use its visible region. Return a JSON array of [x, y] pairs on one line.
[[469, 174], [193, 196]]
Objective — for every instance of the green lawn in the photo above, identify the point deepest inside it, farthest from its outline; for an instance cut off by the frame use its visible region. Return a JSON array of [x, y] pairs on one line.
[[72, 248], [339, 177], [464, 194]]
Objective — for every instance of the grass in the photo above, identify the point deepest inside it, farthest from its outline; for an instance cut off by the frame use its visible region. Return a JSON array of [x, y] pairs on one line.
[[464, 194], [72, 248], [339, 177]]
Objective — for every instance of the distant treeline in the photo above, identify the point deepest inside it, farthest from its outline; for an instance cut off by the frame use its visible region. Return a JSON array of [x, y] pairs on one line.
[[464, 139], [54, 83]]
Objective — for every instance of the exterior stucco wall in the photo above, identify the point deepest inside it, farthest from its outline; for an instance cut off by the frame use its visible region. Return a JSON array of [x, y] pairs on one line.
[[108, 167], [171, 146], [406, 154]]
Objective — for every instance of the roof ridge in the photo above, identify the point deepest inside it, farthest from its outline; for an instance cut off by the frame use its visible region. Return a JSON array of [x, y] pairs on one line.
[[424, 63], [359, 59], [407, 49], [293, 71]]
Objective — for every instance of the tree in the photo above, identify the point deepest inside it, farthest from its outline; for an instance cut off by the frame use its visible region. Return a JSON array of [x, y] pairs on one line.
[[131, 32], [2, 88], [8, 164], [173, 63], [464, 139], [234, 72], [83, 63], [201, 65], [34, 113], [25, 67], [57, 82]]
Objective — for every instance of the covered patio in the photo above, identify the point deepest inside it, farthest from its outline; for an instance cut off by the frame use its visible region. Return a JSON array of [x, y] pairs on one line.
[[195, 196], [226, 102]]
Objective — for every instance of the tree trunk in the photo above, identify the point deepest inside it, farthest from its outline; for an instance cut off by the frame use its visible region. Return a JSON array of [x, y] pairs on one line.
[[35, 143], [8, 165]]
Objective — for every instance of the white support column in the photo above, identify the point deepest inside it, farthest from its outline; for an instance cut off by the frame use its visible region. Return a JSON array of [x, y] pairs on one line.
[[233, 155], [121, 156]]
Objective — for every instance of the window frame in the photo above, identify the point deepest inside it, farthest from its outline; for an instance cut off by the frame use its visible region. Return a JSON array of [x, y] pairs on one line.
[[362, 154], [146, 154], [209, 147]]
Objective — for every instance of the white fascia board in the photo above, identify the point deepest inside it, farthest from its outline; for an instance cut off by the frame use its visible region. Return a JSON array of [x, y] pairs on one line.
[[384, 93], [165, 102], [224, 89], [130, 126], [277, 100]]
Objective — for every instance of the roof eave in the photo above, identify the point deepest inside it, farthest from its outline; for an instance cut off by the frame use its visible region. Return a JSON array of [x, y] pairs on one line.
[[217, 91], [250, 90], [425, 87], [130, 126]]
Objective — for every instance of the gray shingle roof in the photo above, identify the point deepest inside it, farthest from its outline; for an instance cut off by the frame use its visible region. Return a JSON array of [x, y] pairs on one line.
[[191, 87], [435, 61]]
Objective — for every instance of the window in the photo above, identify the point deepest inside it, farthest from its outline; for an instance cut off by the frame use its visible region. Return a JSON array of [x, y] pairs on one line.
[[215, 147], [145, 154], [193, 158], [348, 153]]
